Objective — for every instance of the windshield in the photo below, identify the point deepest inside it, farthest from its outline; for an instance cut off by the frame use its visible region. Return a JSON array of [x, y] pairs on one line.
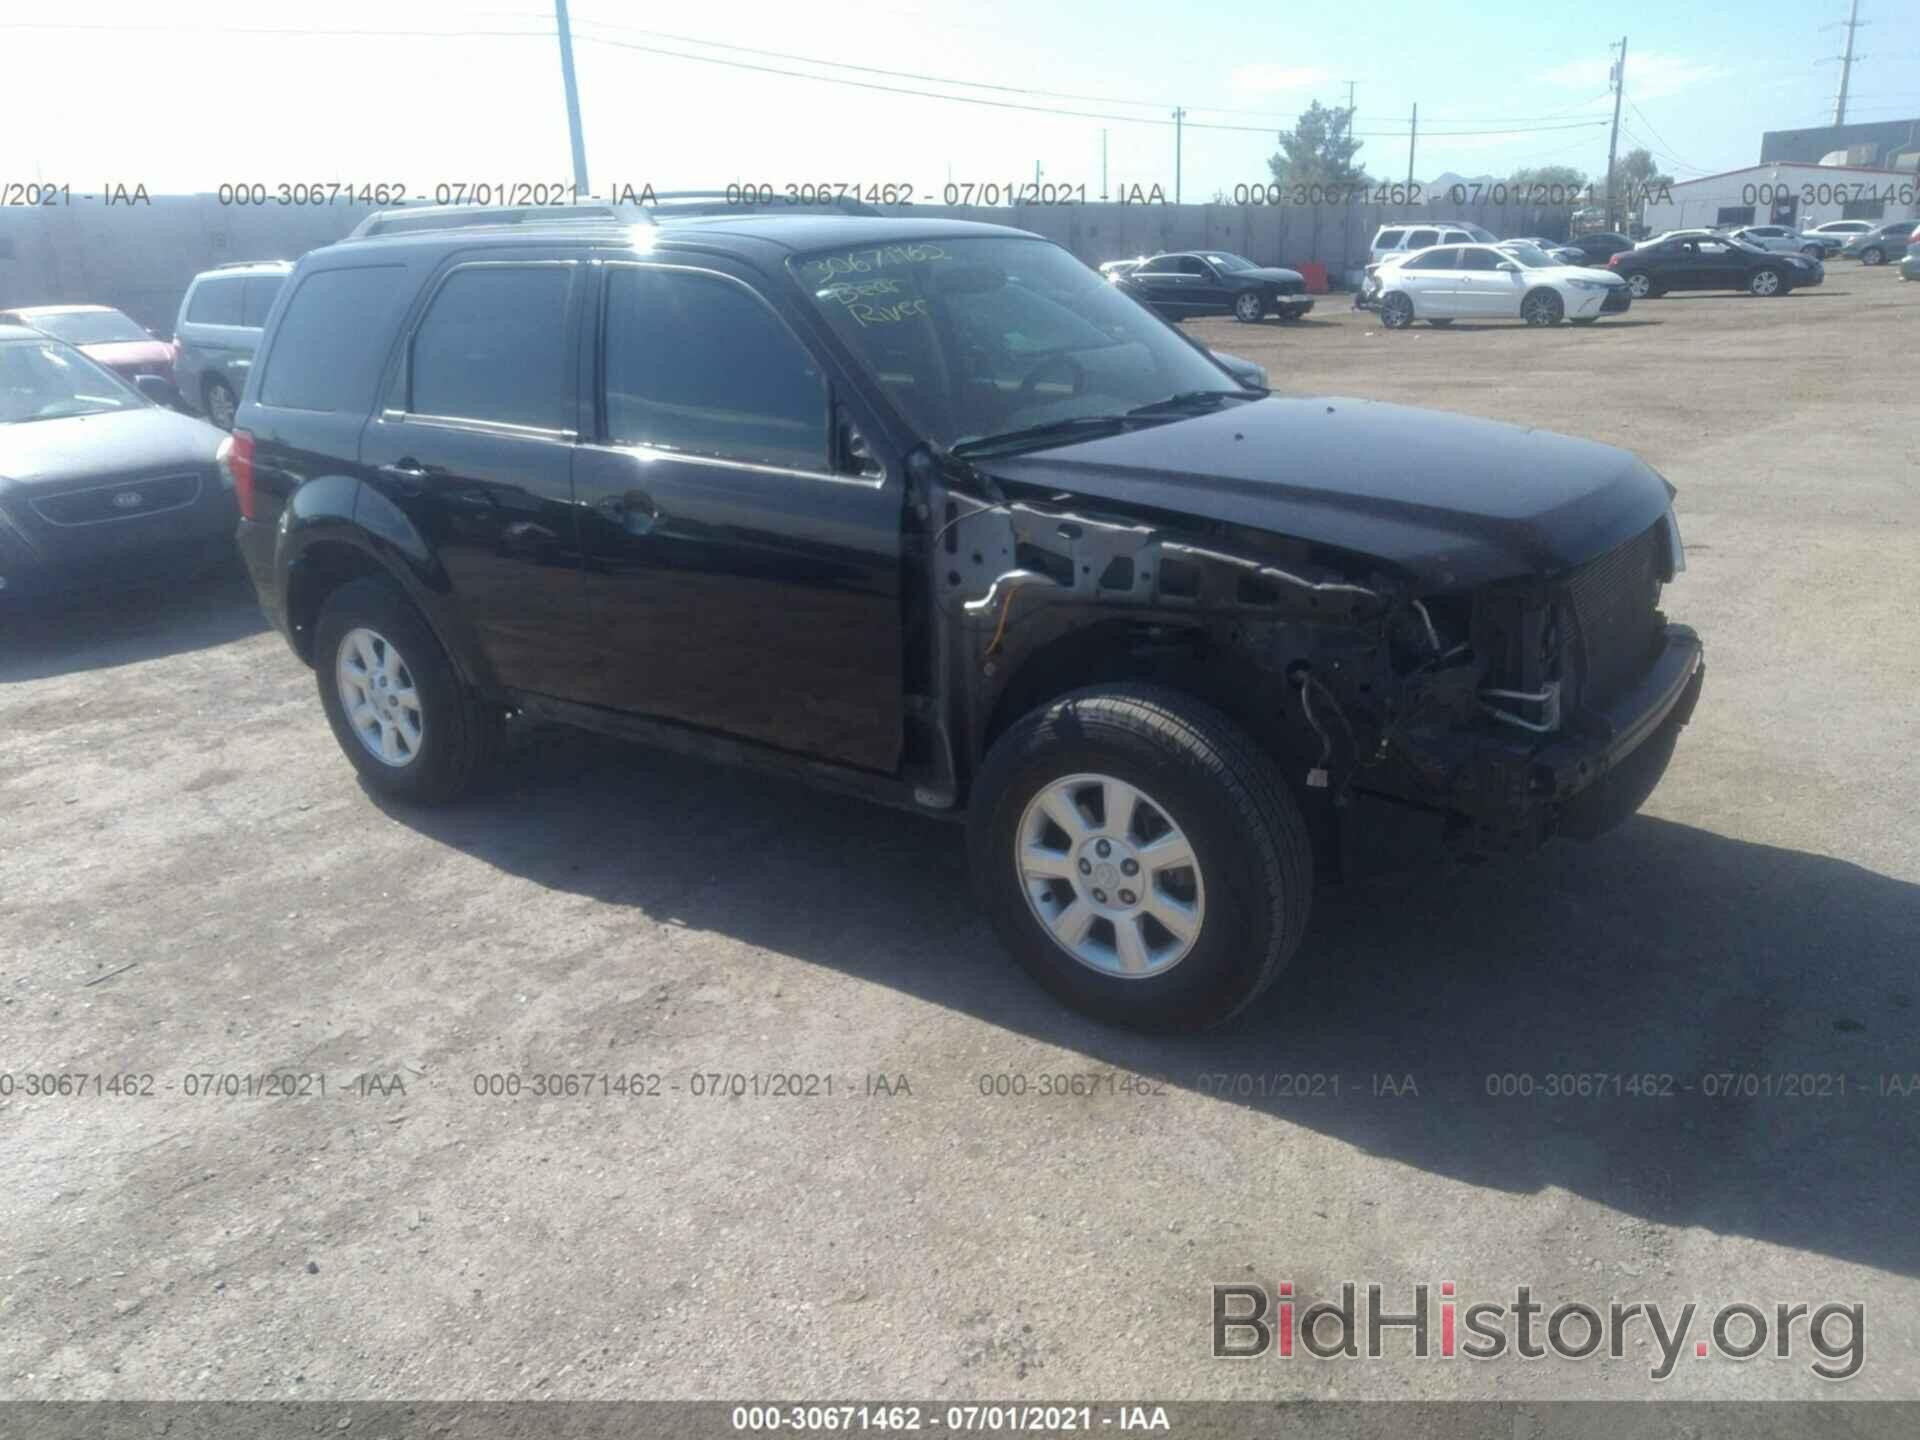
[[89, 327], [1742, 242], [1221, 261], [40, 380], [1529, 255], [979, 337]]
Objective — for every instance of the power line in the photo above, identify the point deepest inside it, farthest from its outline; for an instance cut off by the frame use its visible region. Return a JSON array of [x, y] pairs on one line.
[[1676, 160], [301, 32], [1034, 109], [898, 74]]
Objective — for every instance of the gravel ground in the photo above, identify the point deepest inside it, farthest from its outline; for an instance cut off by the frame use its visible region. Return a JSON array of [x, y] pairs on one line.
[[192, 884]]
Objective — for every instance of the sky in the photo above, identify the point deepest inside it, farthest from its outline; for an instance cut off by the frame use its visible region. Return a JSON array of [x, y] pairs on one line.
[[425, 93]]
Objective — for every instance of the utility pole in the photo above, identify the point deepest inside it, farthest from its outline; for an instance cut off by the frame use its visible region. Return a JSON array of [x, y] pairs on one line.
[[1846, 64], [1619, 79], [580, 188], [1413, 138], [1179, 116], [1103, 163]]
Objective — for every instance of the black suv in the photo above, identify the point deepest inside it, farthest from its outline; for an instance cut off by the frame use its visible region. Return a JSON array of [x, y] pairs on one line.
[[930, 512]]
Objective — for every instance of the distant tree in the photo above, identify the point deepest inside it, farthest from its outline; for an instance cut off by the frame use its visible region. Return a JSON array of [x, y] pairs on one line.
[[1565, 177], [1319, 150], [1637, 174]]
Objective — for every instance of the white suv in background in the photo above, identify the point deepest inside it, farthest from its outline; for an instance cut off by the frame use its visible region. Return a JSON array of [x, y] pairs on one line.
[[1397, 241]]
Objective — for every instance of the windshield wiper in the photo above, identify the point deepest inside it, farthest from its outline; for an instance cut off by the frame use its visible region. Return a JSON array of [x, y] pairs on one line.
[[1188, 398], [1040, 434]]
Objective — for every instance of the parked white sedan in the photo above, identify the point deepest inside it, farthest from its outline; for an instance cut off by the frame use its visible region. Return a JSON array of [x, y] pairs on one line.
[[1512, 281]]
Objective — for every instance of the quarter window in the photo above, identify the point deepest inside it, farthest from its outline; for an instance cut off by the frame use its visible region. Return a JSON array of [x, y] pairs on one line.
[[329, 345], [700, 364], [216, 302], [256, 298], [493, 346]]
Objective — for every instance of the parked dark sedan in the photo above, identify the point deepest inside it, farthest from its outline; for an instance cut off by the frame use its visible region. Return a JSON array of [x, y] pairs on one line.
[[1705, 260], [1601, 245], [98, 484], [1214, 282]]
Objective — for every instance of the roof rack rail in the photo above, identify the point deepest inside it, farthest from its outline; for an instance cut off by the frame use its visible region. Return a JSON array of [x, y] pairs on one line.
[[412, 219], [244, 264], [737, 201]]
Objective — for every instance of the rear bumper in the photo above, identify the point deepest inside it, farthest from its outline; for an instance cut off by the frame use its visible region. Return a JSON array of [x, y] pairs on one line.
[[257, 543]]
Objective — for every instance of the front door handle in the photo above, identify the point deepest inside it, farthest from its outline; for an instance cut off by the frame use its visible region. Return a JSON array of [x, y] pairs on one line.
[[409, 472]]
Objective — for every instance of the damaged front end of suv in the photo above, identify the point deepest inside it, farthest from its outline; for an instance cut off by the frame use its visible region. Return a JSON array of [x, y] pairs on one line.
[[1481, 672]]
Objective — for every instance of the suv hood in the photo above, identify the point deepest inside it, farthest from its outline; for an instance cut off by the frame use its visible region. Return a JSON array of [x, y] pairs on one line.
[[1448, 500]]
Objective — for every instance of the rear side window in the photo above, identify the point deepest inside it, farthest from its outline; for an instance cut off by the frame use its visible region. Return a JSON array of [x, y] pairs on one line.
[[331, 340], [216, 302], [256, 298], [1455, 237], [1387, 239], [1421, 239], [1477, 257], [493, 346], [700, 364], [1435, 260]]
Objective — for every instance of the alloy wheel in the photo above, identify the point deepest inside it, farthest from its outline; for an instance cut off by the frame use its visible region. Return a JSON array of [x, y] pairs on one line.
[[220, 405], [1110, 875], [378, 696], [1764, 282], [1247, 307], [1640, 285]]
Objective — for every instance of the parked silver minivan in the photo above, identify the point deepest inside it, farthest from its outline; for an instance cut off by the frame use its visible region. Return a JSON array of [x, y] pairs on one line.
[[219, 329]]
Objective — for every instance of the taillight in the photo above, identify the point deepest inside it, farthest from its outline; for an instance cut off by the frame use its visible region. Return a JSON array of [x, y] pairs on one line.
[[1613, 262], [236, 458]]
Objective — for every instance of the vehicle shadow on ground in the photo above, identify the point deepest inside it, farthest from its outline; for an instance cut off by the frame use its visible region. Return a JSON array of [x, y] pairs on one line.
[[100, 631], [1661, 950]]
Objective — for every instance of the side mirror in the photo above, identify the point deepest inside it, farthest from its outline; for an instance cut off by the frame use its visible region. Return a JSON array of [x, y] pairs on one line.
[[851, 456], [158, 389], [1513, 265]]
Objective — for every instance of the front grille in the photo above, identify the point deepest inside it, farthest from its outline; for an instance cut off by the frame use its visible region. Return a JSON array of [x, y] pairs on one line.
[[1613, 600], [1289, 287], [1617, 301], [122, 500]]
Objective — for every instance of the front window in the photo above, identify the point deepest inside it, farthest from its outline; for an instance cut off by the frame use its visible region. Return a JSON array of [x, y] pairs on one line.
[[40, 380], [89, 327], [979, 337], [1531, 256]]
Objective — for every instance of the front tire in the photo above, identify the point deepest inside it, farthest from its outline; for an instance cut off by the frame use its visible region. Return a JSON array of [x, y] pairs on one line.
[[1764, 282], [1140, 857], [397, 707], [1248, 307], [1873, 255], [1542, 307], [1396, 311]]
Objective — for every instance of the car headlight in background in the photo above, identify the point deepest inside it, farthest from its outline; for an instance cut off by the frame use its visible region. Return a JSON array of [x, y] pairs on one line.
[[1590, 285]]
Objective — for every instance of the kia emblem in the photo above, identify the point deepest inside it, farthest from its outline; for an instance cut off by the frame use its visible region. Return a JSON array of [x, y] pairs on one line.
[[127, 499]]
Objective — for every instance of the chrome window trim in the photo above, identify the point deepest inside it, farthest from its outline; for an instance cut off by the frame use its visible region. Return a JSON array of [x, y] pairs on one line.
[[687, 457]]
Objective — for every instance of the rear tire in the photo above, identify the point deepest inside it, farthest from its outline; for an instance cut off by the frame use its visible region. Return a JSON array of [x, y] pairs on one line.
[[1396, 311], [1640, 285], [1237, 904], [371, 647], [1873, 255], [220, 403]]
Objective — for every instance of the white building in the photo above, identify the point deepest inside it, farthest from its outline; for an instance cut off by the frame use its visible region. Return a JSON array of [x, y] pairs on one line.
[[1785, 194]]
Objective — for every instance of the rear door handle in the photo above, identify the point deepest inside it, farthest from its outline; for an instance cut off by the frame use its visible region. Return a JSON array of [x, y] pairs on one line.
[[632, 510]]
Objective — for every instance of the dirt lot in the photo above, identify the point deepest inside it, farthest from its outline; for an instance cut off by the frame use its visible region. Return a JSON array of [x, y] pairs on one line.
[[193, 885]]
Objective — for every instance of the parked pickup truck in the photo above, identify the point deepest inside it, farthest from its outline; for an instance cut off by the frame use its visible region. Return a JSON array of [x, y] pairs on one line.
[[929, 512]]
